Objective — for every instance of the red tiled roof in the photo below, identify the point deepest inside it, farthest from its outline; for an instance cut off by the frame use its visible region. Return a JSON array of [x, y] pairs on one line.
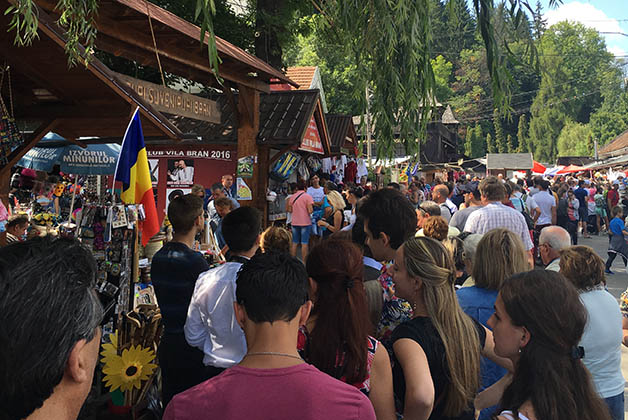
[[303, 76]]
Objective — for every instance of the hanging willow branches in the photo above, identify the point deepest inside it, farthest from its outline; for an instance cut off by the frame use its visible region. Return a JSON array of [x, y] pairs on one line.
[[391, 41]]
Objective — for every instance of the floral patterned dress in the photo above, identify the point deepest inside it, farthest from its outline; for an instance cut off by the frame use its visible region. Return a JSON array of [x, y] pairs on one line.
[[372, 343], [394, 310]]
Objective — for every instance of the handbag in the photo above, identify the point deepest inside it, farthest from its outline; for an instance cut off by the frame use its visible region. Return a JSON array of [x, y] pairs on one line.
[[529, 220]]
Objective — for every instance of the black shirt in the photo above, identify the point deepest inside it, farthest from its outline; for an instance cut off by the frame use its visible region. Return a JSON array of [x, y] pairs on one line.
[[422, 330], [174, 271]]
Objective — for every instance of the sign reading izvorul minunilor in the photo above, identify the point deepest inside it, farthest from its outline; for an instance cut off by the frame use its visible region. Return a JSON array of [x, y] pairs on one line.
[[174, 102]]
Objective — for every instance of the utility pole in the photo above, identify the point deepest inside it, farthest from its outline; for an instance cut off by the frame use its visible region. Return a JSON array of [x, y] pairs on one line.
[[595, 155], [368, 127]]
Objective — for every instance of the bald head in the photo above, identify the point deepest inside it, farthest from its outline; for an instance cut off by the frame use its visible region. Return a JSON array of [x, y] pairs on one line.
[[554, 239], [440, 193]]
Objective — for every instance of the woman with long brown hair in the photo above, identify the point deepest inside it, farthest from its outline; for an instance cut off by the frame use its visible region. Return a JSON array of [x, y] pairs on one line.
[[538, 322], [336, 338], [437, 353]]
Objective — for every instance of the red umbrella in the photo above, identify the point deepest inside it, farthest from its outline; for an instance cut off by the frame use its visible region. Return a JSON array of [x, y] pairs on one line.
[[538, 168], [570, 169]]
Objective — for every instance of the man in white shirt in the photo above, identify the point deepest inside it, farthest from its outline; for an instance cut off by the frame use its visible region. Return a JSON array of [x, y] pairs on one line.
[[439, 195], [496, 215], [316, 191], [186, 173], [211, 324], [547, 204]]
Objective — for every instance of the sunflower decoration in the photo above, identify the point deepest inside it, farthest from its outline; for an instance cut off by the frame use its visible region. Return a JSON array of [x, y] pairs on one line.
[[110, 350], [127, 371]]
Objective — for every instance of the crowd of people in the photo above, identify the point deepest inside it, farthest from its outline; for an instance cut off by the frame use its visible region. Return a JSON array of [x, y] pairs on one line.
[[444, 301]]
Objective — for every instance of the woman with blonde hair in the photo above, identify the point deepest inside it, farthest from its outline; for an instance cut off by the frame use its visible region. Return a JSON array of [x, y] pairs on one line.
[[603, 334], [275, 238], [436, 371], [499, 255], [333, 222]]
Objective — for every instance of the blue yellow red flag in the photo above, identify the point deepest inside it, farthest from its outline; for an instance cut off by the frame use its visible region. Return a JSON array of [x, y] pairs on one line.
[[133, 172]]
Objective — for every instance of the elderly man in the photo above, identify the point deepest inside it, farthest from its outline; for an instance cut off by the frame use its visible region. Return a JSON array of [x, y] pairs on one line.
[[428, 209], [440, 193], [552, 241], [496, 215], [50, 327]]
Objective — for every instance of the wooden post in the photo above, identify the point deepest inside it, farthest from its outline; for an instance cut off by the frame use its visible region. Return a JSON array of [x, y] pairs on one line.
[[5, 182], [248, 127]]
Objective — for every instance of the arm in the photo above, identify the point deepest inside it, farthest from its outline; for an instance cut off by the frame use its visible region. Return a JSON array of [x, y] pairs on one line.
[[493, 394], [195, 331], [420, 394], [624, 326], [381, 394], [553, 215], [289, 205], [310, 208], [337, 223]]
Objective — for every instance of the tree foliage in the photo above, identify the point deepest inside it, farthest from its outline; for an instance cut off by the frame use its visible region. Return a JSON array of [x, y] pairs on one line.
[[522, 134], [574, 140]]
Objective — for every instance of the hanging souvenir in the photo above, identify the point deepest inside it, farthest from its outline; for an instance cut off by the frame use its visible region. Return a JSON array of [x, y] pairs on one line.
[[314, 163], [303, 170], [10, 135], [284, 166]]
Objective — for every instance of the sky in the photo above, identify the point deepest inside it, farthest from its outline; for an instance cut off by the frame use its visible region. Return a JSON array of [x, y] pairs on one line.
[[603, 15]]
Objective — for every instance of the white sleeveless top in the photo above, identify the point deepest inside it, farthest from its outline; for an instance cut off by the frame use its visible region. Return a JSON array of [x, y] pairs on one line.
[[508, 414]]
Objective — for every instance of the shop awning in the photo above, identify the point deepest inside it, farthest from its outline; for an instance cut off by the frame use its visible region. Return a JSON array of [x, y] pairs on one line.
[[537, 168]]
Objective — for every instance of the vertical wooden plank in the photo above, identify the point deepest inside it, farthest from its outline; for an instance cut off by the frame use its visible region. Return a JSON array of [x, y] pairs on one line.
[[248, 127], [5, 182]]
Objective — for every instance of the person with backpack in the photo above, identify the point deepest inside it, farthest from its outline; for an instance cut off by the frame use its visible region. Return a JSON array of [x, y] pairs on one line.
[[301, 205]]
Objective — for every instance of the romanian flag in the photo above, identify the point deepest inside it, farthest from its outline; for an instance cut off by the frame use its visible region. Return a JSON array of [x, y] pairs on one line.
[[133, 172]]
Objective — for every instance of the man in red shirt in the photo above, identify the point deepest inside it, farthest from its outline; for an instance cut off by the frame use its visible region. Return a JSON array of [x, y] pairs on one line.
[[271, 381], [612, 198]]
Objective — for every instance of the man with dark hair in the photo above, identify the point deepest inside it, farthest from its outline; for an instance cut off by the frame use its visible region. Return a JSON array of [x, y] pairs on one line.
[[389, 220], [16, 228], [582, 195], [218, 191], [271, 380], [49, 328], [211, 324], [223, 206], [496, 215], [229, 186], [472, 199], [394, 185], [174, 271]]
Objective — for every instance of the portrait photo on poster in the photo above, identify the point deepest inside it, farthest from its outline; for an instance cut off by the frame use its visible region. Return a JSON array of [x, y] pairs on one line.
[[172, 193], [153, 166], [180, 171]]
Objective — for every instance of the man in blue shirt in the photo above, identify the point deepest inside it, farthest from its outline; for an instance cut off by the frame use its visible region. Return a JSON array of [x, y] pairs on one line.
[[583, 211], [174, 271], [617, 244]]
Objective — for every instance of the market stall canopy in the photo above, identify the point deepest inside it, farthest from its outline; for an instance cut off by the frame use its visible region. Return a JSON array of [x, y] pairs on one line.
[[293, 118], [124, 29], [341, 134], [513, 161], [537, 168], [95, 159], [570, 169], [83, 101]]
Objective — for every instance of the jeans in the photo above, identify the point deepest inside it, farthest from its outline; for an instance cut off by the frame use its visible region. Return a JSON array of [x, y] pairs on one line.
[[611, 258], [616, 406]]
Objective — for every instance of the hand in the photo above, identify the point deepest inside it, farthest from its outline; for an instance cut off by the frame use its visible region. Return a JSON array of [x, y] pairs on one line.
[[322, 223]]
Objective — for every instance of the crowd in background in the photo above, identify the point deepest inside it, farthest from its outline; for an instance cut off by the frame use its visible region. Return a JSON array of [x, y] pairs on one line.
[[421, 301]]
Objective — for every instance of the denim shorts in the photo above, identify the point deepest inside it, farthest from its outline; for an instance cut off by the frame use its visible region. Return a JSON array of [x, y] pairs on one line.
[[301, 234]]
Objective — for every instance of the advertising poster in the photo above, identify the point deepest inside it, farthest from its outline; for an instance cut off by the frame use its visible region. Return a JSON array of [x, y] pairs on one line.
[[243, 191], [180, 171]]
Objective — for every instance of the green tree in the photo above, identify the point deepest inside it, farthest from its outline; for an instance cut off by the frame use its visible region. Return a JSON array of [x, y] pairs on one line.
[[522, 134], [442, 74], [490, 146], [574, 140], [510, 141], [575, 65], [500, 140]]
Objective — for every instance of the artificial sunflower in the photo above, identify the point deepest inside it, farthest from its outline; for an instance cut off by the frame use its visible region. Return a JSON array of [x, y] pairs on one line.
[[130, 369], [110, 350]]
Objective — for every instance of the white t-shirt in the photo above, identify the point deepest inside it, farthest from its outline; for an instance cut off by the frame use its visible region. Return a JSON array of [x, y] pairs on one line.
[[317, 193], [531, 204], [545, 201]]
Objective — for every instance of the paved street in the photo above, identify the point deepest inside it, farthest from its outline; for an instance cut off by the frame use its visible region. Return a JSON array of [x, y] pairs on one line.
[[617, 283]]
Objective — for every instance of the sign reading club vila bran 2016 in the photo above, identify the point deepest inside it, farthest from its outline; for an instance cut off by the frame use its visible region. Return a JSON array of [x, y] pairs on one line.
[[174, 102]]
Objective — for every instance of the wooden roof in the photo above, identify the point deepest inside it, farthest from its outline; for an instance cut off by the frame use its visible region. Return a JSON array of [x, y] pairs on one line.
[[77, 102], [124, 30], [516, 161], [341, 129], [617, 146]]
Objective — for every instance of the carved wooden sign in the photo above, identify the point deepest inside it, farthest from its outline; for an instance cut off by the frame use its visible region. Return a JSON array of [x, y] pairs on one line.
[[172, 101]]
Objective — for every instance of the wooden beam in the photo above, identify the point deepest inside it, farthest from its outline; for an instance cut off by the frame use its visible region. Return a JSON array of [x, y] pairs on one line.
[[17, 154], [110, 27], [76, 142]]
